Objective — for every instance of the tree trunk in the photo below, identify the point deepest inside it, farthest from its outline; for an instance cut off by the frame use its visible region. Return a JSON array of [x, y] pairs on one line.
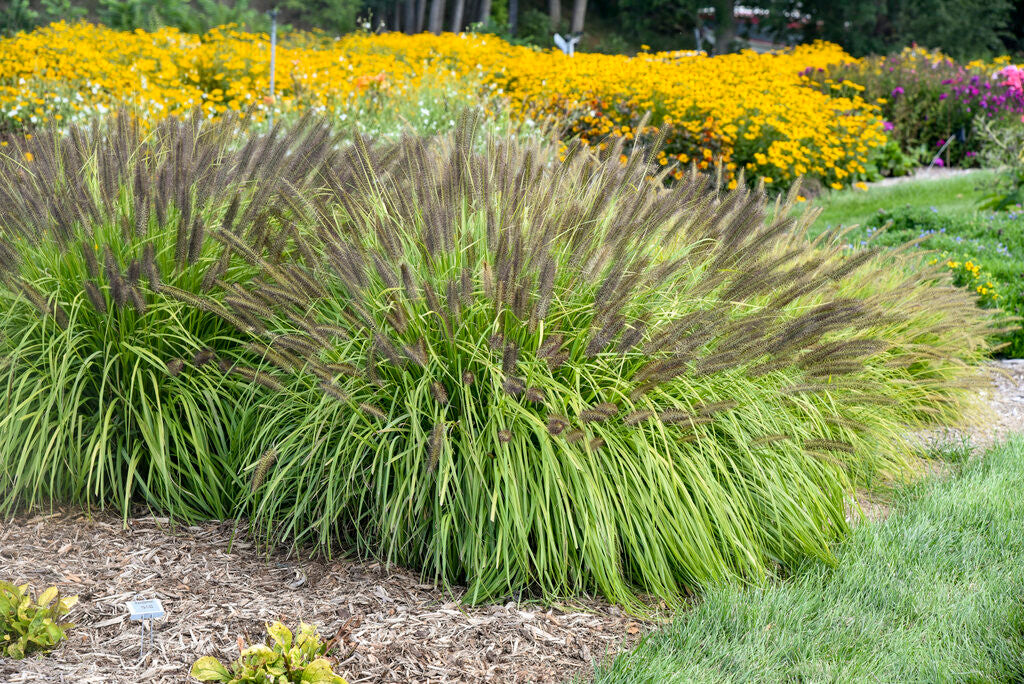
[[396, 19], [725, 26], [436, 16], [409, 20], [421, 15], [579, 12], [555, 14], [485, 12], [513, 16], [458, 11]]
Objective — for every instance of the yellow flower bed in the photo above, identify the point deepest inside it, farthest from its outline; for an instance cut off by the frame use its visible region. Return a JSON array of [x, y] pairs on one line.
[[968, 274], [746, 111]]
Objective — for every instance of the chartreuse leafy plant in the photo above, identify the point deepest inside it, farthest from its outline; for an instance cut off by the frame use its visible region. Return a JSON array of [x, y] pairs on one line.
[[104, 250], [282, 659], [30, 626], [525, 375]]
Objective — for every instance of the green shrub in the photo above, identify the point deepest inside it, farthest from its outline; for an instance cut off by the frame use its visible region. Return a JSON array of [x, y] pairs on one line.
[[28, 626], [931, 103], [282, 659], [531, 376], [104, 252]]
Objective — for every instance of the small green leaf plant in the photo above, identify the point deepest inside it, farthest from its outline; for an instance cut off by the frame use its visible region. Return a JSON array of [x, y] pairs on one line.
[[284, 658], [28, 626]]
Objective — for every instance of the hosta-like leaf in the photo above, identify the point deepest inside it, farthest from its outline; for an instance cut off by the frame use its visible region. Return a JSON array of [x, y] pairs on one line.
[[47, 597], [209, 669], [320, 672], [281, 635]]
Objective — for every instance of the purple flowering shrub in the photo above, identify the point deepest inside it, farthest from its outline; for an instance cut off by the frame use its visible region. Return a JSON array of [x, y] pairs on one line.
[[928, 100]]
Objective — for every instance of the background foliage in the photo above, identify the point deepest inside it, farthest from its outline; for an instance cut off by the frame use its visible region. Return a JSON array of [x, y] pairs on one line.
[[963, 29]]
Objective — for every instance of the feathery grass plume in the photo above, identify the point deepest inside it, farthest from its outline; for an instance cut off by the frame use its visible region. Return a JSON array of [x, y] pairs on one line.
[[95, 296], [556, 360], [417, 352], [556, 424], [713, 407], [551, 346], [299, 344], [637, 417], [828, 445], [113, 274], [573, 436], [257, 376], [135, 298], [593, 415], [203, 357], [408, 282], [333, 390], [115, 437], [683, 303], [672, 416], [91, 266], [514, 386], [534, 394], [509, 357], [263, 466], [436, 445], [439, 392], [374, 411]]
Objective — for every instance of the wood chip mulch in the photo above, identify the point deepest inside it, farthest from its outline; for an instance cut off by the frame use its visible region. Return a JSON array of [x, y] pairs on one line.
[[394, 628]]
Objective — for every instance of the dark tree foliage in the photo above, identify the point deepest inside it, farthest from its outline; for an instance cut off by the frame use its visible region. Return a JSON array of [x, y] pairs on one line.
[[964, 29]]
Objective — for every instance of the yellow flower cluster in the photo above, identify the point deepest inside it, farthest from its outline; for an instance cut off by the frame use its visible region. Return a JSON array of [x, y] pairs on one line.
[[968, 274], [745, 111]]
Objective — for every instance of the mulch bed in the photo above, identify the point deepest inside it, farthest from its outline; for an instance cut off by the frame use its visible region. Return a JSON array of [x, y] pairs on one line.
[[394, 628]]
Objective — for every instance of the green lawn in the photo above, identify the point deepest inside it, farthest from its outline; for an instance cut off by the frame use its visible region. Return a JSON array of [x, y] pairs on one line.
[[956, 196], [943, 215], [933, 594]]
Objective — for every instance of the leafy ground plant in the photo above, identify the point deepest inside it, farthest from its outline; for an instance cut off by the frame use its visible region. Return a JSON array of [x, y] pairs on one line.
[[30, 626], [934, 593], [284, 658], [545, 377]]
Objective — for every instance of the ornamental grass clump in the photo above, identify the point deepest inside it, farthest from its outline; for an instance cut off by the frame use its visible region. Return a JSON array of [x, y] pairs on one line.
[[113, 386], [552, 378]]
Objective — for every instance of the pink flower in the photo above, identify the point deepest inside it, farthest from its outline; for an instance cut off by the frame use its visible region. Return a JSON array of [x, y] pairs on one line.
[[938, 161], [1013, 78]]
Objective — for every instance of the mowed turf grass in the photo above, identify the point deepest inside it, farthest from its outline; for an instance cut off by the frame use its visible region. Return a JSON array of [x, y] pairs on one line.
[[935, 593], [954, 196], [943, 217]]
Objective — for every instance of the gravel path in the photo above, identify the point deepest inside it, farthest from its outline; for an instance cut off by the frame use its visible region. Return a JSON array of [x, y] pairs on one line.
[[925, 173], [1006, 402]]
